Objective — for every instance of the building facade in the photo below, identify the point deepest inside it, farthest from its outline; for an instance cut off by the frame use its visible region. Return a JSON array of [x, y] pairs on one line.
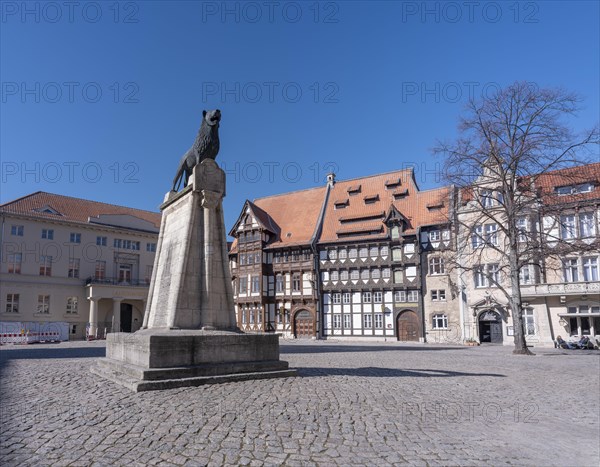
[[80, 263]]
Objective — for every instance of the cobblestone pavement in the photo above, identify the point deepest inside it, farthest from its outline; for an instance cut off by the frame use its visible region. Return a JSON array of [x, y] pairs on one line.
[[353, 404]]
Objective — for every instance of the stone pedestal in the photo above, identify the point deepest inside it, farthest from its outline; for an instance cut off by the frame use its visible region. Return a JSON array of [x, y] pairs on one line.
[[189, 335]]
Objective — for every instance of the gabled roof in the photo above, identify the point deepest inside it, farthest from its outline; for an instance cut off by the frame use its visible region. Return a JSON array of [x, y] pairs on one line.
[[292, 217], [265, 221], [412, 206], [60, 208]]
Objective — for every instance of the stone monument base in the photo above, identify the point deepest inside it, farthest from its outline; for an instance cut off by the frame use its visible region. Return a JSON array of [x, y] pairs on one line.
[[153, 359]]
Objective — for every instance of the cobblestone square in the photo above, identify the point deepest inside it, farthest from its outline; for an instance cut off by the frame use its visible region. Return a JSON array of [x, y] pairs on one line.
[[380, 403]]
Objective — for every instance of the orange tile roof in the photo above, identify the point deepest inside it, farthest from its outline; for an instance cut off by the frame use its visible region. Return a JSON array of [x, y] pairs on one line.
[[549, 182], [413, 206], [295, 213], [71, 209]]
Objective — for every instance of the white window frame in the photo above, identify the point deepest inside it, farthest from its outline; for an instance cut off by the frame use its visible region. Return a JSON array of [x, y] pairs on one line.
[[439, 321]]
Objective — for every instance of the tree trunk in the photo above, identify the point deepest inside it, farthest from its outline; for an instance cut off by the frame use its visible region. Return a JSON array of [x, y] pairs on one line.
[[516, 304]]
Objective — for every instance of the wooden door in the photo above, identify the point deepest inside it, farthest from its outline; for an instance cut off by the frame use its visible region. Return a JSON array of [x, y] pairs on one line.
[[408, 326], [304, 324]]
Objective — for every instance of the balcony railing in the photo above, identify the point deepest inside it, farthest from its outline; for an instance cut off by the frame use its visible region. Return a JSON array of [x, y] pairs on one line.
[[566, 288], [117, 282]]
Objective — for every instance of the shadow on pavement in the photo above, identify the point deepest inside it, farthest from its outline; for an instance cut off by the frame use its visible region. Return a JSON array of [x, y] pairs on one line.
[[33, 353], [293, 348], [388, 372]]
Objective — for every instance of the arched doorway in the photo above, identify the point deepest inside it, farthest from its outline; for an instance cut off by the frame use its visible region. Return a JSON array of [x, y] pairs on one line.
[[408, 327], [490, 327], [304, 324]]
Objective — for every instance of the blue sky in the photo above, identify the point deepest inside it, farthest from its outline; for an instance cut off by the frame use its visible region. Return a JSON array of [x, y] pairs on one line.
[[100, 100]]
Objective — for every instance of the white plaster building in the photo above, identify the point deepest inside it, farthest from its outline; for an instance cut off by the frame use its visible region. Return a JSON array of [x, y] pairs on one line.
[[74, 261]]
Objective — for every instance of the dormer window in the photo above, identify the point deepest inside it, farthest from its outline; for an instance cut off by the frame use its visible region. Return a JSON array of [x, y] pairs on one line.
[[392, 184], [489, 198], [435, 206], [354, 190], [574, 189], [341, 203], [371, 199], [400, 194]]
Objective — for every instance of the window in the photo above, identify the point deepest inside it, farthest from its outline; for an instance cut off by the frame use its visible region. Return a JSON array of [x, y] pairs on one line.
[[491, 234], [16, 230], [570, 270], [477, 236], [364, 274], [375, 273], [567, 227], [347, 321], [242, 259], [528, 322], [587, 228], [124, 244], [296, 283], [373, 252], [100, 272], [344, 275], [412, 296], [258, 258], [243, 285], [14, 263], [435, 236], [45, 265], [400, 296], [384, 251], [590, 269], [346, 297], [396, 254], [353, 253], [278, 258], [335, 275], [101, 241], [332, 254], [487, 275], [487, 198], [439, 321], [574, 189], [378, 320], [409, 248], [73, 268], [72, 305], [436, 265], [151, 247], [366, 296], [337, 298], [397, 276], [526, 274], [252, 316], [581, 322], [445, 234], [386, 273], [12, 303], [278, 283], [522, 228], [75, 237], [250, 258], [43, 304], [337, 321], [363, 252], [395, 232], [354, 274], [255, 284], [295, 255], [367, 321], [48, 234], [377, 297], [438, 295], [343, 253]]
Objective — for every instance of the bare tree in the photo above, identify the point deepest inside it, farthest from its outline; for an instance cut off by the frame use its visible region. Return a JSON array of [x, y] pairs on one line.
[[507, 141]]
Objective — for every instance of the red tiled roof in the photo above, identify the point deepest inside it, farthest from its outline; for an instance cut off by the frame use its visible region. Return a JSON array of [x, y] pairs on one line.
[[71, 209], [295, 213], [413, 206], [549, 182]]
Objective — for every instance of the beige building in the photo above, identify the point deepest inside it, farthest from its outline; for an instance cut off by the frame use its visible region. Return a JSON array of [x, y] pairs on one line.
[[73, 264], [560, 285]]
